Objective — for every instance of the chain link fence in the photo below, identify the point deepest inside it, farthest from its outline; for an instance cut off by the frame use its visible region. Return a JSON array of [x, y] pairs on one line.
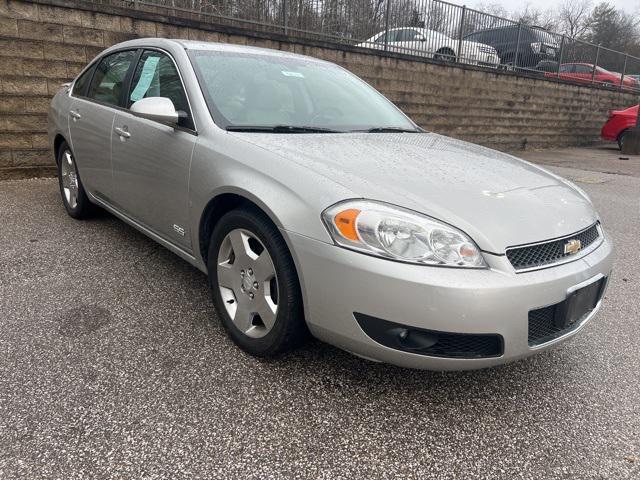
[[424, 28]]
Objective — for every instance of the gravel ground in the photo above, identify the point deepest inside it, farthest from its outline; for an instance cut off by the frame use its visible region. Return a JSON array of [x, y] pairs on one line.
[[113, 365]]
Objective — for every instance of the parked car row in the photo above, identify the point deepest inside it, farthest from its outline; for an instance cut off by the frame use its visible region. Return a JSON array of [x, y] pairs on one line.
[[512, 47]]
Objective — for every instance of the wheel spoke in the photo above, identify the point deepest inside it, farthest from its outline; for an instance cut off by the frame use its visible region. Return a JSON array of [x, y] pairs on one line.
[[239, 244], [267, 312], [242, 318], [263, 266], [228, 276], [72, 197]]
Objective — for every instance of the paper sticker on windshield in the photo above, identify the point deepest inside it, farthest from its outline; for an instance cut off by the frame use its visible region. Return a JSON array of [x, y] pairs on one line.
[[292, 74]]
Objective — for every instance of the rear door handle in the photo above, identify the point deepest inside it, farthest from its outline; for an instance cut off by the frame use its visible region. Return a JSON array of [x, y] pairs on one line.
[[122, 132], [75, 115]]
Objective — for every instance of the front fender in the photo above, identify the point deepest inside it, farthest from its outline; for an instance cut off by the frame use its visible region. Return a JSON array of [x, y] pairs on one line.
[[290, 194]]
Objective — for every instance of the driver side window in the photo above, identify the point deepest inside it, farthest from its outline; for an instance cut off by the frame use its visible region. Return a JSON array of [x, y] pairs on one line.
[[156, 76]]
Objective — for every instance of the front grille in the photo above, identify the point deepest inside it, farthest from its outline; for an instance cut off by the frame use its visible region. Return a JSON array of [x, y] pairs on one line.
[[542, 326], [457, 345], [543, 254], [430, 342]]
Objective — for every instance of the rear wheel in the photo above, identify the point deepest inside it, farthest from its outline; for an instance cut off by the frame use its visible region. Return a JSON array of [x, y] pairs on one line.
[[74, 197], [254, 284]]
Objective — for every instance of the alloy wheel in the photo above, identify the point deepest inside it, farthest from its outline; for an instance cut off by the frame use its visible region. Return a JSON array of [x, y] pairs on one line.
[[248, 283], [69, 176]]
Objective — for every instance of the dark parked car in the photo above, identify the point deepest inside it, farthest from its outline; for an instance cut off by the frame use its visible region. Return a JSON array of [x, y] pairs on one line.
[[536, 44]]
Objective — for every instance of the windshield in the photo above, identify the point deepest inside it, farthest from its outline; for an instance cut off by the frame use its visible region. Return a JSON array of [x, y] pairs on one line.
[[267, 90]]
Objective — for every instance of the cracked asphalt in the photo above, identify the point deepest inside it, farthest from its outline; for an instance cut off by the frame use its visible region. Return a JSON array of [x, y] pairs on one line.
[[113, 366]]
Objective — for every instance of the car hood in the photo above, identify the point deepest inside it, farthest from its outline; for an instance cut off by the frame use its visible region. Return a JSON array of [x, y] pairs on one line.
[[495, 198]]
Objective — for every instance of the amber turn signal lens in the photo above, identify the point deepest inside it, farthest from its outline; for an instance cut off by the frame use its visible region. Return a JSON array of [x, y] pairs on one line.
[[345, 222]]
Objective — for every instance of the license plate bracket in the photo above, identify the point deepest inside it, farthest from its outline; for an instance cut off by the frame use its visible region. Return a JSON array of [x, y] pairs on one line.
[[579, 304]]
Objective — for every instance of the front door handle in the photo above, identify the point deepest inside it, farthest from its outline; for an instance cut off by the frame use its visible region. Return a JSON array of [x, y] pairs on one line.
[[75, 115], [122, 132]]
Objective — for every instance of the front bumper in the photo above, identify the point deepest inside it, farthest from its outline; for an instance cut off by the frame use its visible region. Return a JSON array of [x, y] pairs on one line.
[[483, 60], [337, 283]]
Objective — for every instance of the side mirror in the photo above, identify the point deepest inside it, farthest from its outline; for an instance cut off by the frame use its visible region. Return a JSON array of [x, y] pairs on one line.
[[160, 109], [421, 38]]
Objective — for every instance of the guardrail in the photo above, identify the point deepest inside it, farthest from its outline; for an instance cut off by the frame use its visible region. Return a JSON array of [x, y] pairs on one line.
[[432, 29]]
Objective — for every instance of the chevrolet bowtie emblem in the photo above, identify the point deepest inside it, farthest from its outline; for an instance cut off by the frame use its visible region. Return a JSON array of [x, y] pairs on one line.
[[572, 246]]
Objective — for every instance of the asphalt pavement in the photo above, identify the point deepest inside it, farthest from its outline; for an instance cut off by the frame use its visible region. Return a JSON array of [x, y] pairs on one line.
[[113, 366]]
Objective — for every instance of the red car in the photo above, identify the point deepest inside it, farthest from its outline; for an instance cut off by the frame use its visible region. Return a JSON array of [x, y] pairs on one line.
[[583, 73], [620, 121]]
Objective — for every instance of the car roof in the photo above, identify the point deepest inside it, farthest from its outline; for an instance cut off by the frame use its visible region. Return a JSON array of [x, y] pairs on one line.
[[210, 46]]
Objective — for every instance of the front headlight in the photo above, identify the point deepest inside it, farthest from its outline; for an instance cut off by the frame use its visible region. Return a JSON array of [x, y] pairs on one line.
[[398, 234]]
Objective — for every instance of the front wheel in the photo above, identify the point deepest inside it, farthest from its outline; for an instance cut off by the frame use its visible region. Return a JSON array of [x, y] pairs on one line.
[[445, 55], [254, 284], [74, 197], [622, 138]]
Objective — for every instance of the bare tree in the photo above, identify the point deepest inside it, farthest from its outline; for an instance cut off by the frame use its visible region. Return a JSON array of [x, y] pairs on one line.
[[573, 16], [534, 17]]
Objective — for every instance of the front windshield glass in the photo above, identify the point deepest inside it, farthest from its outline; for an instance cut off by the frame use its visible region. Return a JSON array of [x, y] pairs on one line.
[[271, 90]]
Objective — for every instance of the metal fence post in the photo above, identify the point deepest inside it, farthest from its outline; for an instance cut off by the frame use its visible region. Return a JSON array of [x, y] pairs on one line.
[[284, 16], [595, 65], [560, 54], [624, 71], [461, 31], [386, 26], [515, 58]]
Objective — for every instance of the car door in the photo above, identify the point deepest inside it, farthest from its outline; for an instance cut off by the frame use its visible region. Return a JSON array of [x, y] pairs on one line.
[[406, 41], [583, 73], [151, 160], [567, 71], [96, 95]]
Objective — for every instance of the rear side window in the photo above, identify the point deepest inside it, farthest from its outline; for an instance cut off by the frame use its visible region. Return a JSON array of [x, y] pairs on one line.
[[80, 86], [108, 81]]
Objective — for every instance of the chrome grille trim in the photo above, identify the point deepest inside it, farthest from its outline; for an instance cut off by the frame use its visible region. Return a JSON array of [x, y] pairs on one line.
[[557, 260]]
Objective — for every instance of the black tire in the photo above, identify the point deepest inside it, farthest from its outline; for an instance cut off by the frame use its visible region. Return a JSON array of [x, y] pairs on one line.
[[289, 329], [81, 208], [621, 138]]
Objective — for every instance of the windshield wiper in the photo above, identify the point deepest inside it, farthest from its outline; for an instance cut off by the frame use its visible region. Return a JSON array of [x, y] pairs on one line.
[[389, 130], [279, 129]]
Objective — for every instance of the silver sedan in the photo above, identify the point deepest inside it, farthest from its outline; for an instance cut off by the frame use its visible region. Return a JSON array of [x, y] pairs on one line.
[[317, 207]]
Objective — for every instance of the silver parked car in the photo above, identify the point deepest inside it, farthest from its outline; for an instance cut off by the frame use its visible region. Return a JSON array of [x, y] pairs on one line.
[[315, 205]]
